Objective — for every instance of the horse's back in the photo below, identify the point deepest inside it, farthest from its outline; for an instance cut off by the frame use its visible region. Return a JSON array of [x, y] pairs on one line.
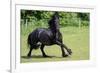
[[45, 36]]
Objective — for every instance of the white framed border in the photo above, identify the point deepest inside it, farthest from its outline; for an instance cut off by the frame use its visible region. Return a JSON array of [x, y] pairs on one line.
[[16, 66]]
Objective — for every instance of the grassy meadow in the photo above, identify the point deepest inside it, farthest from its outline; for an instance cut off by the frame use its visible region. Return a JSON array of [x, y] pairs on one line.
[[77, 39]]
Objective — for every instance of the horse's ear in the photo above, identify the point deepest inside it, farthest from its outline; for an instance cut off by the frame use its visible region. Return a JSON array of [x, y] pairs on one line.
[[56, 13]]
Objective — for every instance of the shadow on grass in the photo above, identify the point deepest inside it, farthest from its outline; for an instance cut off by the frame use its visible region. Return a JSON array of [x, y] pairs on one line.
[[38, 56]]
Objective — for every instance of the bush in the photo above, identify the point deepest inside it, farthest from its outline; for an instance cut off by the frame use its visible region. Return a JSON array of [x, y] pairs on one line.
[[85, 23]]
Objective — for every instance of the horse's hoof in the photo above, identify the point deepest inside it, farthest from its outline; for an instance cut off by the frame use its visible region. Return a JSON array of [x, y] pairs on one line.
[[28, 55], [69, 51], [46, 56], [65, 55]]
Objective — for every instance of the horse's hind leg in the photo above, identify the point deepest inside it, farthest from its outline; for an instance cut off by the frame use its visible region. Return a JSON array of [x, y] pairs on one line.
[[29, 53], [42, 50]]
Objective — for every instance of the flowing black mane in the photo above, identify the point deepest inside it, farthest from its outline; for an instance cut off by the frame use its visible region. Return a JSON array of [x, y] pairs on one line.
[[54, 22]]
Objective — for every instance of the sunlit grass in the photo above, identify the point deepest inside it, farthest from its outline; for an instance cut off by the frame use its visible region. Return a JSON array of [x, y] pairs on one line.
[[75, 38]]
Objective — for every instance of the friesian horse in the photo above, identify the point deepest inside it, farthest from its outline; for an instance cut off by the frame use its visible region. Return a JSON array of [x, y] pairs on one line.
[[42, 37]]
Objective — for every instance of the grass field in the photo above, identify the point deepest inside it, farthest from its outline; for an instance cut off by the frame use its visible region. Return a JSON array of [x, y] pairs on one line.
[[75, 38]]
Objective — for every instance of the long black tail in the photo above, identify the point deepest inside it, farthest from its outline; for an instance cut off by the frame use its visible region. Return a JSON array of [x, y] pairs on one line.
[[29, 40]]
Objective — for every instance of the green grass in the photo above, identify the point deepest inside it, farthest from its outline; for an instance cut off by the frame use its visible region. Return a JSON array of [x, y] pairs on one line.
[[73, 37]]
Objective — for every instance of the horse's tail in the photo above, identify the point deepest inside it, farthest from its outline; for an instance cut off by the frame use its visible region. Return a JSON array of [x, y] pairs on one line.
[[28, 40], [31, 43]]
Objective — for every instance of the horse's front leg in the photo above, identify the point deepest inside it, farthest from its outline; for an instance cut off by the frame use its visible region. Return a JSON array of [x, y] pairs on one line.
[[63, 52], [61, 44]]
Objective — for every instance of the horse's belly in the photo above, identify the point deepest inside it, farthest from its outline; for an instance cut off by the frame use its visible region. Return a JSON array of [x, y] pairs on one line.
[[46, 40]]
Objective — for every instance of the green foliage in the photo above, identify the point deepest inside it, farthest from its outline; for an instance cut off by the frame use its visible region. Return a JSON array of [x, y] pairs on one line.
[[41, 18], [68, 20], [84, 16], [85, 23]]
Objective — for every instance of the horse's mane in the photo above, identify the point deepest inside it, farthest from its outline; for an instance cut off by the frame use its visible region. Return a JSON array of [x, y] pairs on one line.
[[54, 22]]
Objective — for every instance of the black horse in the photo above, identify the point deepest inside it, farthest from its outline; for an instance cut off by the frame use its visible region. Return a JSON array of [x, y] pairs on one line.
[[42, 37]]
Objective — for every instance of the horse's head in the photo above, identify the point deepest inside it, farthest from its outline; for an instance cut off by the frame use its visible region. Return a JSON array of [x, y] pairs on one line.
[[54, 22], [56, 15]]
